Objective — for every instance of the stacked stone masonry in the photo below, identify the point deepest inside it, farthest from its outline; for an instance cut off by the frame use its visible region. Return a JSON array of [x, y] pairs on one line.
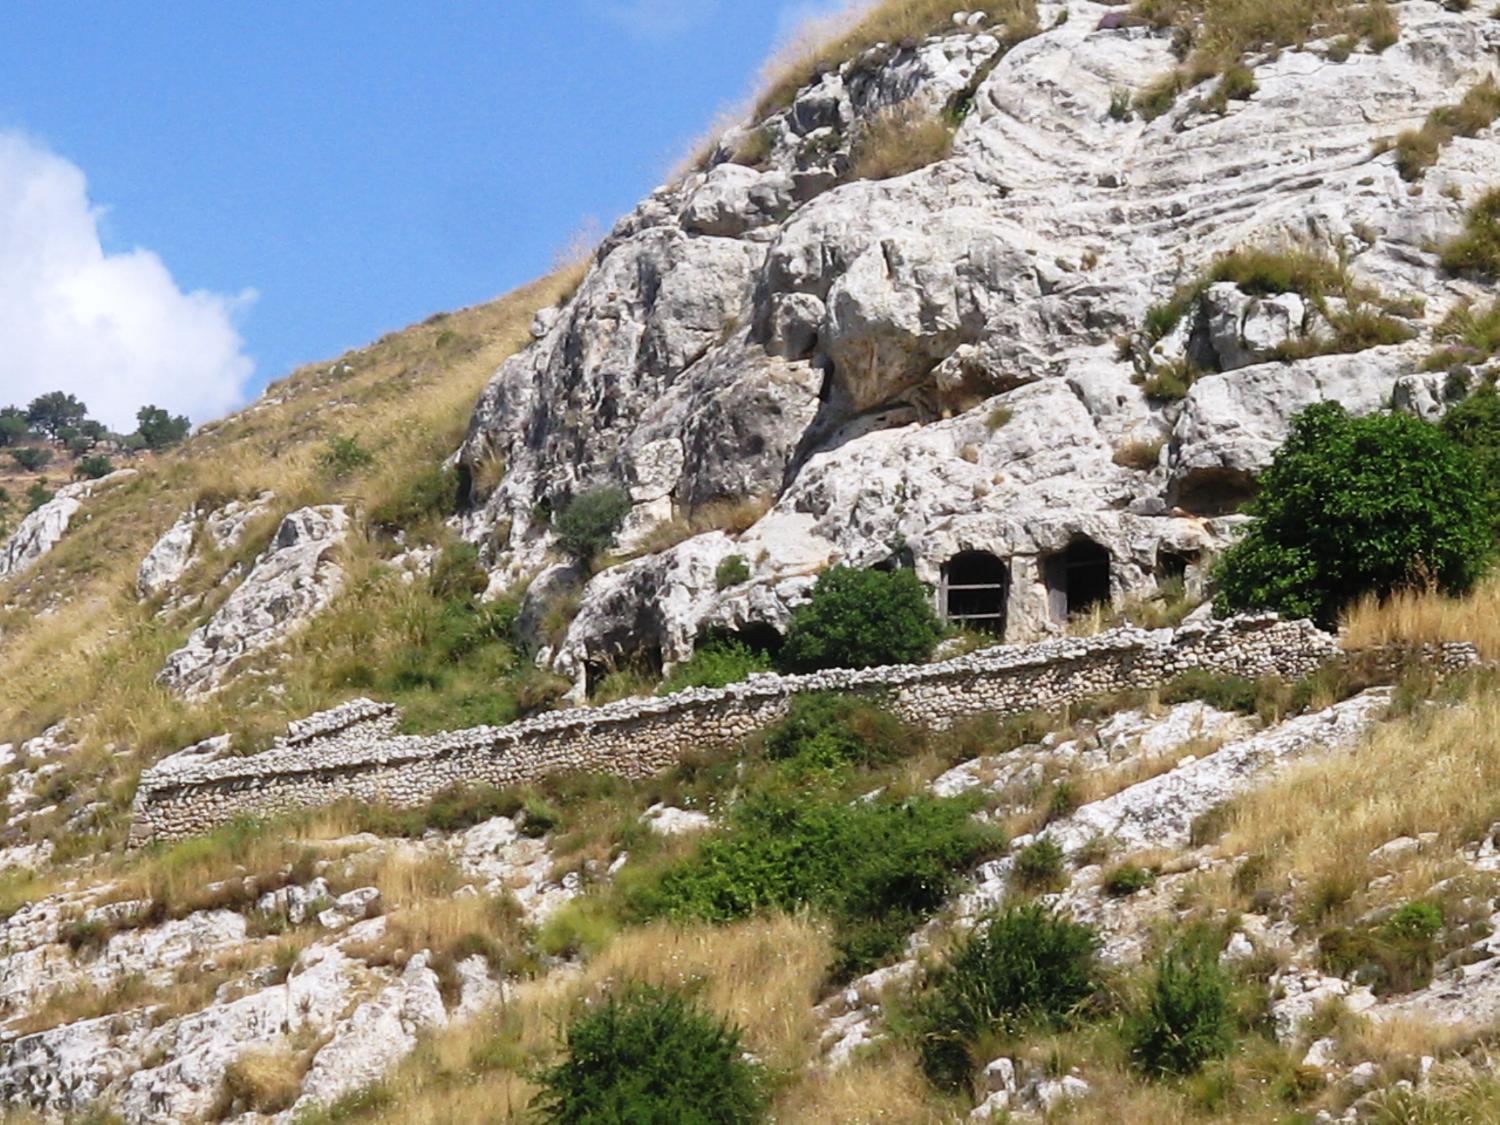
[[354, 753]]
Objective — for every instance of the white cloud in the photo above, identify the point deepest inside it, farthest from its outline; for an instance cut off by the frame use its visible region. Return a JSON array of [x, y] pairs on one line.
[[113, 329], [660, 18]]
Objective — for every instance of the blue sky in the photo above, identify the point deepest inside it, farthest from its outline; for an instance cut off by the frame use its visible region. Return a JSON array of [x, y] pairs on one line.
[[308, 176]]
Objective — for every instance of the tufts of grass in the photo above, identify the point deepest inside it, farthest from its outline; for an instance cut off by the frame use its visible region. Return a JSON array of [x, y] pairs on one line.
[[1419, 149], [827, 47], [900, 140], [1214, 37], [1476, 249]]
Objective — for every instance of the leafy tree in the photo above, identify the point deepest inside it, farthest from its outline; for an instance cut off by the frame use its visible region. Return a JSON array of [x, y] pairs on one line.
[[13, 425], [862, 619], [1026, 966], [1475, 424], [93, 467], [1188, 1018], [1352, 506], [588, 525], [56, 411], [33, 458], [160, 430], [652, 1055]]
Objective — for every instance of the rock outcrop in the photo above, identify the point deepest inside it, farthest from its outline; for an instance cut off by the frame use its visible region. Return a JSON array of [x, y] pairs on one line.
[[293, 579], [929, 364], [181, 546], [41, 530]]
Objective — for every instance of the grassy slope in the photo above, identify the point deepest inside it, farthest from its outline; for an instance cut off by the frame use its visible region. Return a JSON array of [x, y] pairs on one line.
[[77, 643]]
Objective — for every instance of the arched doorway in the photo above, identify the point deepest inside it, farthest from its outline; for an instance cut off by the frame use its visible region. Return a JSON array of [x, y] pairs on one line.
[[974, 591], [1077, 579]]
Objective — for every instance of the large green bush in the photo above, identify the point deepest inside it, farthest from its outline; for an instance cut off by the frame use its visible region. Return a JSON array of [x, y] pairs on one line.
[[651, 1056], [1352, 506], [862, 619], [587, 526], [1024, 967], [1188, 1017], [878, 868], [1475, 424]]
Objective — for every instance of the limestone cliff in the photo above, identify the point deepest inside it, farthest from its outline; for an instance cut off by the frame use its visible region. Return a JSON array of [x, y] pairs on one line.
[[940, 362]]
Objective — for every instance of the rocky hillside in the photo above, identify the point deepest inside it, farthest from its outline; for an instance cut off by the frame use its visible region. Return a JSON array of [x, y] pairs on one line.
[[1020, 299]]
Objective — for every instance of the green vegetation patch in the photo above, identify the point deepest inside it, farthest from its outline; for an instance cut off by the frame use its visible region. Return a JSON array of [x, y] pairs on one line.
[[862, 619], [1354, 506], [878, 868], [1025, 967], [651, 1055]]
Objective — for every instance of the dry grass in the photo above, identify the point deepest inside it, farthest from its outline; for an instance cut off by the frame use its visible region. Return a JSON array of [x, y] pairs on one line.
[[1428, 617], [264, 1080], [826, 45], [1317, 823], [1419, 149], [1139, 454], [762, 974], [1216, 35], [900, 140]]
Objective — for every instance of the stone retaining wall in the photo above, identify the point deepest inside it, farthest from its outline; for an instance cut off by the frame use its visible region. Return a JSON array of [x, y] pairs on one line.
[[352, 752]]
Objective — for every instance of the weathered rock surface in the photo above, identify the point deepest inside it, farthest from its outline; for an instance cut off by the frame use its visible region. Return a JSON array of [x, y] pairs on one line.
[[41, 530], [928, 364], [293, 579], [179, 548]]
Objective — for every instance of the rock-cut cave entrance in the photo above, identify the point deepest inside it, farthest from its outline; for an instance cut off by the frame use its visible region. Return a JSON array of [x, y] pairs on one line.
[[974, 591], [1077, 579]]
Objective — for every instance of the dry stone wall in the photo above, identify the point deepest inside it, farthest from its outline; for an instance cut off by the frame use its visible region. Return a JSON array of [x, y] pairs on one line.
[[353, 752]]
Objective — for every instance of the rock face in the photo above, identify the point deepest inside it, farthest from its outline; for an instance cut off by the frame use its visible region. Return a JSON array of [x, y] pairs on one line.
[[179, 548], [292, 580], [928, 365], [40, 531]]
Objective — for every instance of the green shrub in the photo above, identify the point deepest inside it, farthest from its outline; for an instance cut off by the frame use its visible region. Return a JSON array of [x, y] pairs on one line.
[[1352, 506], [862, 619], [37, 495], [94, 467], [32, 458], [1024, 967], [1127, 879], [731, 572], [1394, 956], [1039, 866], [1188, 1016], [1475, 424], [829, 731], [651, 1055], [429, 493], [586, 528], [877, 868], [1477, 249], [1221, 690], [715, 663], [344, 456]]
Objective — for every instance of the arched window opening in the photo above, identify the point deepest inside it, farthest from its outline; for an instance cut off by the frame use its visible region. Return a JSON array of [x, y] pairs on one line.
[[974, 591], [1077, 579]]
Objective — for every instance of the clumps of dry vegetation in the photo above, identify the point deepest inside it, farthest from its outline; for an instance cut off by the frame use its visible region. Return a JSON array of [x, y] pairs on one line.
[[1353, 316], [1419, 149], [899, 22], [1411, 618], [1214, 37], [1476, 249], [900, 140]]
